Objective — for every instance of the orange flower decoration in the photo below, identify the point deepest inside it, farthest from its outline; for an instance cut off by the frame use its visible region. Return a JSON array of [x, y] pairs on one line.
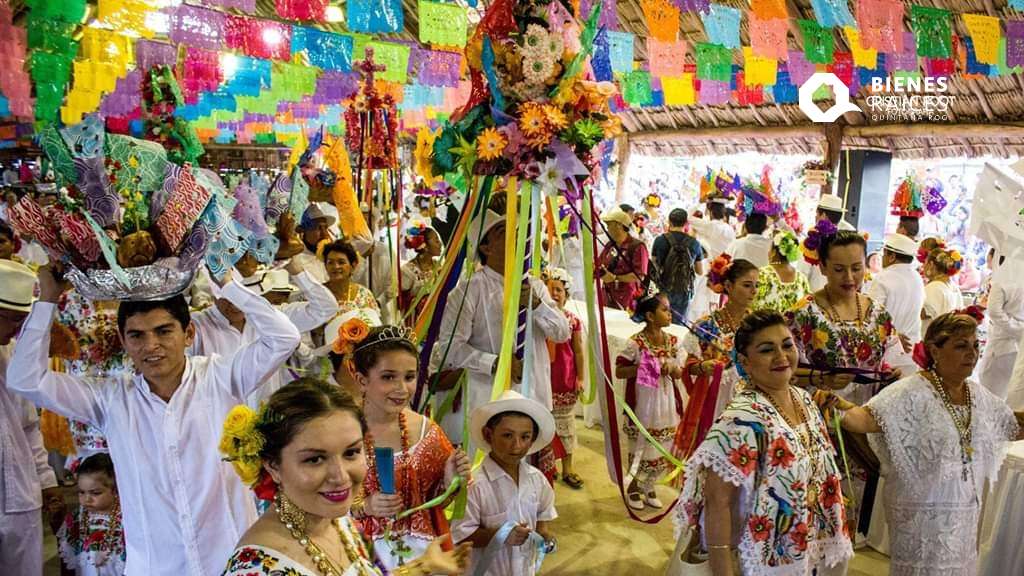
[[533, 120], [555, 117], [352, 332], [490, 144]]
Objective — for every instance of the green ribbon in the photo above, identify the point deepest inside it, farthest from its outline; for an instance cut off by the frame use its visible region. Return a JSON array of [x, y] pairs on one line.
[[456, 483], [842, 451]]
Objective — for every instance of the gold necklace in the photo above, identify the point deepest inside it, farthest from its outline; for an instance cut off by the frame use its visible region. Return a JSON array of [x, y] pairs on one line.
[[834, 312], [294, 520], [726, 321], [962, 423]]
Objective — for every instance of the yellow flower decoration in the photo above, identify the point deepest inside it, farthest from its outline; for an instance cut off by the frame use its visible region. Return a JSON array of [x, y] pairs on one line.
[[820, 339], [533, 121], [241, 443], [555, 117], [247, 470], [490, 144], [240, 422]]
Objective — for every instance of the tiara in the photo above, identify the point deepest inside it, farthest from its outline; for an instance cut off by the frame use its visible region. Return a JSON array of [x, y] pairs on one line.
[[387, 334]]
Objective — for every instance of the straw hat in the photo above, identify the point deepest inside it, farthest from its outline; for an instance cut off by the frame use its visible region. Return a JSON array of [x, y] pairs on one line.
[[901, 244], [831, 202], [276, 280], [17, 283], [491, 219], [617, 215], [512, 401]]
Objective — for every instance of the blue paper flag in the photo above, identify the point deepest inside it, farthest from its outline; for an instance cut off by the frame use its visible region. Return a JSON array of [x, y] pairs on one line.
[[722, 25], [868, 74], [600, 60], [1017, 5], [620, 51], [784, 92], [832, 13], [325, 49], [973, 66], [375, 16]]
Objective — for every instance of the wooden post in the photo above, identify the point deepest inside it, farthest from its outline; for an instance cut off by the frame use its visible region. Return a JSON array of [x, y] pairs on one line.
[[623, 153], [833, 144]]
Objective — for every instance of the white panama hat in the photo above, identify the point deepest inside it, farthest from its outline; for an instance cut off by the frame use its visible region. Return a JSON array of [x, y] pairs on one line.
[[512, 401]]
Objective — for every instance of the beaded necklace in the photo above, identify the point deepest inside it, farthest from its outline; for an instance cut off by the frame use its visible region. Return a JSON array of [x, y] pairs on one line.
[[833, 314], [111, 538], [294, 521], [962, 423]]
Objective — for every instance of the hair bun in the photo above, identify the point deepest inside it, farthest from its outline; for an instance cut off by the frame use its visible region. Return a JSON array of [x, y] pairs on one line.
[[719, 269]]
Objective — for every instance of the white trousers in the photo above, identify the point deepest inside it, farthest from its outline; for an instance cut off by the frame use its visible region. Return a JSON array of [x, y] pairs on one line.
[[994, 373], [21, 543]]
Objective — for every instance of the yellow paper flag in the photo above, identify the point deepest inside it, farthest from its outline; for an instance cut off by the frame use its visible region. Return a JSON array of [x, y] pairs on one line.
[[758, 71], [300, 146], [350, 217], [679, 91], [865, 57], [985, 33]]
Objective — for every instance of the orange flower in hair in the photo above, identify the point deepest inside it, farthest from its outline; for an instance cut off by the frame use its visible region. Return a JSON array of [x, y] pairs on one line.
[[352, 332], [719, 268]]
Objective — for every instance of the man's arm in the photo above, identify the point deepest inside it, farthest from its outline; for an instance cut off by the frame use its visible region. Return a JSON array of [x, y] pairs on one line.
[[548, 317], [258, 360], [318, 309]]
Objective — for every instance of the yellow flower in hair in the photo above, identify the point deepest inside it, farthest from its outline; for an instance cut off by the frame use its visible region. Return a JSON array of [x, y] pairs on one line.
[[248, 470], [240, 422]]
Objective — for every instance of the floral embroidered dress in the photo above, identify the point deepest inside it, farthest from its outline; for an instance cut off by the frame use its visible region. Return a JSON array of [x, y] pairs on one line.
[[932, 500], [789, 517], [657, 404], [251, 560], [97, 552], [774, 294], [564, 392], [419, 477], [709, 395], [102, 355], [416, 286], [361, 301]]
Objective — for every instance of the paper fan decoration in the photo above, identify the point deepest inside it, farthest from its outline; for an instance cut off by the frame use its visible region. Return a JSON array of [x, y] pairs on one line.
[[907, 200], [758, 198]]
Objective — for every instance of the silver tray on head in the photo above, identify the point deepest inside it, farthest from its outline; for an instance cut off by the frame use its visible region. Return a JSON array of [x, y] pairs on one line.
[[158, 281]]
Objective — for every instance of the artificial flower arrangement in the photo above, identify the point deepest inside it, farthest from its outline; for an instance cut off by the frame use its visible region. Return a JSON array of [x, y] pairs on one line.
[[241, 443], [758, 197], [815, 236], [913, 198], [532, 111], [787, 244], [719, 185], [350, 333], [719, 268]]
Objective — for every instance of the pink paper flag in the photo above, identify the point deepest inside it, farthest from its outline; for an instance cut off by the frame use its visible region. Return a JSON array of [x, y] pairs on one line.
[[1014, 43], [799, 68], [714, 93], [666, 58], [768, 37], [904, 60], [881, 24]]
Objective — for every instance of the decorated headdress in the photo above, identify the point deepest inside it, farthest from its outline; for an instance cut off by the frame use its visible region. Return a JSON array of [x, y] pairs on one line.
[[719, 269], [926, 247], [416, 235], [643, 303], [719, 187], [949, 262], [559, 274], [815, 236], [787, 244], [907, 200]]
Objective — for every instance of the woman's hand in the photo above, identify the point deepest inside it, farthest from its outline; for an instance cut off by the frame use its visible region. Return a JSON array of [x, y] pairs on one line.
[[382, 505], [608, 278], [436, 561], [836, 381], [457, 465]]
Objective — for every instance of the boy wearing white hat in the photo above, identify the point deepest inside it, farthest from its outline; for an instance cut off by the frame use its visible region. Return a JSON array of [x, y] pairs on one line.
[[28, 480], [510, 504], [899, 289]]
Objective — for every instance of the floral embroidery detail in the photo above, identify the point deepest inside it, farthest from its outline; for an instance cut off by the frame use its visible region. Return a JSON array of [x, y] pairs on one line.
[[825, 343], [780, 454], [760, 527], [745, 458], [831, 494]]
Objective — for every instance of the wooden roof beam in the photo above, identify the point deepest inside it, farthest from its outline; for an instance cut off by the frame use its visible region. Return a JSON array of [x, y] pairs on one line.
[[757, 115], [981, 99]]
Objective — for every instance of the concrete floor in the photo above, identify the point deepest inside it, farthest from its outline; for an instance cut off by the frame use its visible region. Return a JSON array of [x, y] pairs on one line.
[[595, 535]]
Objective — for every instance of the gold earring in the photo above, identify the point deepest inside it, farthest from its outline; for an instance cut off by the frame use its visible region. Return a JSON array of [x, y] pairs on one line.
[[291, 515]]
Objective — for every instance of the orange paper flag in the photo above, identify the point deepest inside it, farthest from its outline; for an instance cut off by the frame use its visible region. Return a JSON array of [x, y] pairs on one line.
[[662, 19], [768, 9]]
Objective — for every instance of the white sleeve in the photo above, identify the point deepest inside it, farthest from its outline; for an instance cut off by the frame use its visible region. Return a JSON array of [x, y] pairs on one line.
[[998, 315], [546, 503], [29, 375], [30, 425], [462, 354], [253, 363], [318, 309], [548, 317]]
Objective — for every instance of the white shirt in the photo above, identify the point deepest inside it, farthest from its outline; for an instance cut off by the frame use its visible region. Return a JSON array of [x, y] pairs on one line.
[[494, 499], [940, 297], [1005, 312], [715, 235], [215, 335], [476, 340], [24, 470], [755, 248], [312, 265], [899, 289], [184, 509]]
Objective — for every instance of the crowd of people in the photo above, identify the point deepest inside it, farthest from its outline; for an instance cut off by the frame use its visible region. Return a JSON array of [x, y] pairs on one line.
[[285, 419]]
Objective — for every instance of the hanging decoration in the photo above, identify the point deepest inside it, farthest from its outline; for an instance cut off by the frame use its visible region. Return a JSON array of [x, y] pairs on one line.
[[932, 31]]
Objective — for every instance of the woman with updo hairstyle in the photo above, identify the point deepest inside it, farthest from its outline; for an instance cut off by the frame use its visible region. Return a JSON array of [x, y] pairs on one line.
[[779, 284], [386, 368], [710, 375], [940, 438], [941, 294], [340, 260], [304, 451], [843, 335], [420, 273], [762, 492]]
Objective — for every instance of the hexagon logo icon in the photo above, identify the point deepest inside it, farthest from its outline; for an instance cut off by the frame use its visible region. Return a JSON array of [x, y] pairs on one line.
[[842, 93]]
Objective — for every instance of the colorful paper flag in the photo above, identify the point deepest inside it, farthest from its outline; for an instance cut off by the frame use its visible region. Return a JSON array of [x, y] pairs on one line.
[[985, 33], [442, 24], [818, 42], [679, 91], [932, 31], [862, 56], [714, 62], [1014, 43], [375, 16], [758, 71], [666, 58], [800, 70], [662, 19], [636, 88], [394, 58], [768, 37], [722, 25], [620, 51], [832, 13], [905, 60], [714, 93], [768, 9]]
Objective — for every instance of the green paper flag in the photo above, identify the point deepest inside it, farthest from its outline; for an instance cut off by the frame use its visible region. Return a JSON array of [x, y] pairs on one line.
[[818, 42], [932, 31], [443, 24], [394, 58], [714, 62], [636, 88]]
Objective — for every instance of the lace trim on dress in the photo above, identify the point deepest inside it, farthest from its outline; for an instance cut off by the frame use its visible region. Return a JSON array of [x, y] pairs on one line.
[[692, 496], [828, 552]]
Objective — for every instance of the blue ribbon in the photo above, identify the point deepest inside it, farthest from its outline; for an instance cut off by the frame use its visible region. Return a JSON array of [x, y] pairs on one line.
[[498, 542]]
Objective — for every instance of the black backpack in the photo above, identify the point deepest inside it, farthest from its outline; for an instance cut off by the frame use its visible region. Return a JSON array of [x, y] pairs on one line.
[[677, 274]]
